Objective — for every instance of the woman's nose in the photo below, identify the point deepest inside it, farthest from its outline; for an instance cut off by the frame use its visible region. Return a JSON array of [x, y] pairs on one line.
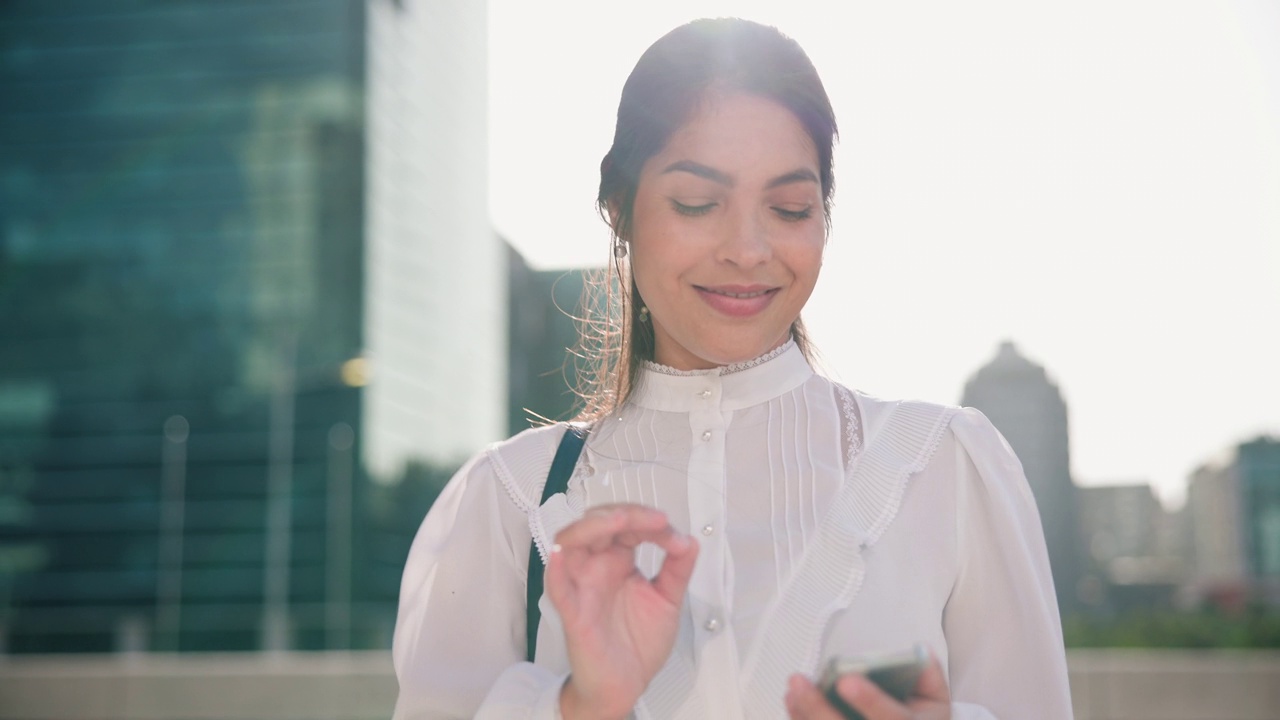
[[745, 240]]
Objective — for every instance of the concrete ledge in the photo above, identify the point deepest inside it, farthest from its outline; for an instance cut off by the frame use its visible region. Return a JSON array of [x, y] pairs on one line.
[[1105, 685], [293, 686], [1175, 684]]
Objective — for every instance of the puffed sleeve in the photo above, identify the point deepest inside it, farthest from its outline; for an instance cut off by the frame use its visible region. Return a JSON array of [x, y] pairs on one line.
[[459, 640], [1006, 659]]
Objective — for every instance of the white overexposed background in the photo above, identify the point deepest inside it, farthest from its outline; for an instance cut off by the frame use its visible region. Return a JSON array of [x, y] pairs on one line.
[[1097, 181]]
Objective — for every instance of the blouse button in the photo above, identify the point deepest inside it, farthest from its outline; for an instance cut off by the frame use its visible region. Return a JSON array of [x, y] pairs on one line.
[[708, 529], [706, 436], [712, 625], [704, 394]]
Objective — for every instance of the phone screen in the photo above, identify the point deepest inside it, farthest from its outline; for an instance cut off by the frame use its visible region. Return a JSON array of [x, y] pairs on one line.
[[896, 674]]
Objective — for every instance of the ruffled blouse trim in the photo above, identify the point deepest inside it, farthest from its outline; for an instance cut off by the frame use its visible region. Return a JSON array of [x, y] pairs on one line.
[[521, 465], [831, 573]]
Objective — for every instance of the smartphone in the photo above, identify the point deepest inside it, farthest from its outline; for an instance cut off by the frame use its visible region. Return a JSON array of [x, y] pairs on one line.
[[897, 674]]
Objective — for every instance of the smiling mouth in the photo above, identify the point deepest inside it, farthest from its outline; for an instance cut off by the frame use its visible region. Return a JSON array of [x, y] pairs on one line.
[[740, 301], [739, 295]]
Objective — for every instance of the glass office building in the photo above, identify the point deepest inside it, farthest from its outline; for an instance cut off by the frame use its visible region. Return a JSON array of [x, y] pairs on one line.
[[237, 240], [1258, 471]]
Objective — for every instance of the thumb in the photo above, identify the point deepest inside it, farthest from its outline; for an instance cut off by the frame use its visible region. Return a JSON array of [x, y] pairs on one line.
[[673, 579], [933, 682]]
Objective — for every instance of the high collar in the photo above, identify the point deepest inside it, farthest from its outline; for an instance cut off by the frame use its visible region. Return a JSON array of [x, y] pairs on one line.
[[731, 387]]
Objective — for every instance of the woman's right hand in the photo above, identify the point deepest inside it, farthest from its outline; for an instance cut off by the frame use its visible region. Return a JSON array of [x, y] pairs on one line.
[[619, 626]]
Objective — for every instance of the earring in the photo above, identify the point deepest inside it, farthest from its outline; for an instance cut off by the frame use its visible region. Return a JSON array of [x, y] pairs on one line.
[[644, 313], [619, 249]]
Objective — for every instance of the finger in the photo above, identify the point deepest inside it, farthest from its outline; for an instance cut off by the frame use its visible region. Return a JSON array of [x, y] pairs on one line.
[[628, 538], [590, 532], [558, 584], [599, 527], [867, 698], [664, 536], [805, 702], [672, 579], [933, 682]]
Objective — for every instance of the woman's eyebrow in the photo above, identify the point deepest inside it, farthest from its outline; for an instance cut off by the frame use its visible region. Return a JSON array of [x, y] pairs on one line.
[[716, 176], [700, 170], [795, 176]]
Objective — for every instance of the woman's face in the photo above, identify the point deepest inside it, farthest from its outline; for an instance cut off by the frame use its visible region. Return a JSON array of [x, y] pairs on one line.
[[727, 232]]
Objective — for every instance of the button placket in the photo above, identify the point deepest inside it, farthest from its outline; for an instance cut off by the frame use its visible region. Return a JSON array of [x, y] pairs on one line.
[[707, 423]]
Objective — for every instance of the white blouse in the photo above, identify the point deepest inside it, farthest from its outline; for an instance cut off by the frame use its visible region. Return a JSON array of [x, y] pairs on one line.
[[830, 522]]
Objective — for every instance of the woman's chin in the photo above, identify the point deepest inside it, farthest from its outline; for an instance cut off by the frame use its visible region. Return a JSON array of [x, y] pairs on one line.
[[703, 356]]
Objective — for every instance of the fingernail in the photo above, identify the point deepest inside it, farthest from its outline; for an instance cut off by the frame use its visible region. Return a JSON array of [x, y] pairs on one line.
[[681, 541]]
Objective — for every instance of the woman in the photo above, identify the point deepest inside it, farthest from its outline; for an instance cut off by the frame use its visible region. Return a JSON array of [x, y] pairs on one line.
[[735, 519]]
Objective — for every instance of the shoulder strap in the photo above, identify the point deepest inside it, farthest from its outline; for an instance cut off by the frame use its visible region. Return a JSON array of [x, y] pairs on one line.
[[557, 482]]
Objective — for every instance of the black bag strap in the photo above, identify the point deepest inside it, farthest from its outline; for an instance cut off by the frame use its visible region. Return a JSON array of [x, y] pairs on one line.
[[557, 482]]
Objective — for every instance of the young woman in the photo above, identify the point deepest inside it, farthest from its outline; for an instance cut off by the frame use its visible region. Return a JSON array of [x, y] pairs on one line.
[[735, 519]]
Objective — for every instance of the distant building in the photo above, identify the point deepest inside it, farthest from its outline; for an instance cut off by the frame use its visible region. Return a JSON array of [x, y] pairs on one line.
[[1234, 510], [1120, 520], [1027, 408], [542, 369], [1258, 471], [1214, 514], [1134, 550], [247, 285]]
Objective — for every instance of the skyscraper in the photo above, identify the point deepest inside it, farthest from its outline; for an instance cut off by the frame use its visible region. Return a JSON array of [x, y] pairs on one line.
[[542, 372], [1235, 523], [247, 283], [1219, 568], [1027, 408], [1258, 465]]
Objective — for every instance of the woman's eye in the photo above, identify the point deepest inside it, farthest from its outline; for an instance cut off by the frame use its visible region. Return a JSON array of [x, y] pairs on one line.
[[794, 215], [692, 210]]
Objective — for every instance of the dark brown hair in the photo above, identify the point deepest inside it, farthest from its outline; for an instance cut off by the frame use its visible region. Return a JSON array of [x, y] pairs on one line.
[[661, 94]]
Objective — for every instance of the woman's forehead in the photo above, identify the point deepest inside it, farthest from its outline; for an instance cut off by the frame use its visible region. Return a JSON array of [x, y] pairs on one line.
[[739, 133]]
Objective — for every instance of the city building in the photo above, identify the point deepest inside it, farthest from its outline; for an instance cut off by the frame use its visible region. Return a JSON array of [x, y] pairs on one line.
[[1233, 505], [1135, 549], [1218, 568], [543, 364], [1027, 408], [1258, 473], [251, 310]]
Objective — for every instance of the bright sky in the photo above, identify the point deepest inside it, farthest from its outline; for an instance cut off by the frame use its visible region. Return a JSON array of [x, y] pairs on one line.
[[1097, 180]]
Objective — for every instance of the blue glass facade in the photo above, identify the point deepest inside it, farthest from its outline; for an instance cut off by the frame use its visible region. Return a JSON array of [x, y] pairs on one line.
[[1258, 465], [181, 213]]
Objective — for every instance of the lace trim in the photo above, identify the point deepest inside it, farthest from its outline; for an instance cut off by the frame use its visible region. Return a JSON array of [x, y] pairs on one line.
[[722, 370], [853, 430], [508, 480], [583, 470]]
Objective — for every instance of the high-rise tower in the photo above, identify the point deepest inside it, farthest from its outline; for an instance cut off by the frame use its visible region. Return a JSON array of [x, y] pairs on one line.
[[246, 270], [1027, 408]]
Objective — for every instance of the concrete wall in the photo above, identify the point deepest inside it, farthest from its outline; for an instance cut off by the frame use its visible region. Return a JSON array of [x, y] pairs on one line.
[[1106, 685], [1175, 685]]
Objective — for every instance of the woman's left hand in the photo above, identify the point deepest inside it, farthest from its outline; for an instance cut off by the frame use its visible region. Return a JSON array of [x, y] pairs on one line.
[[931, 701]]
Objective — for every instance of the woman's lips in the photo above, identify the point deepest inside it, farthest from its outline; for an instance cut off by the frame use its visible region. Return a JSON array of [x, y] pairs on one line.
[[737, 300]]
